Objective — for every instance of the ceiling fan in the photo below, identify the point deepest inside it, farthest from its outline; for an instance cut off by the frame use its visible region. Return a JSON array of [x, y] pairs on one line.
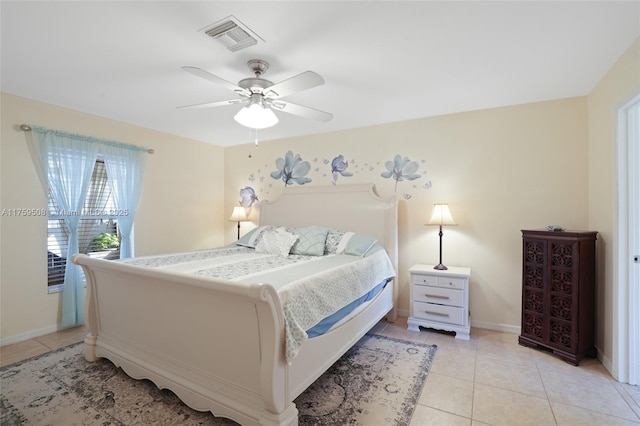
[[262, 96]]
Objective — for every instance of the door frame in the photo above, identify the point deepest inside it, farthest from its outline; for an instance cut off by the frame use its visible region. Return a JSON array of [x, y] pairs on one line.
[[626, 279]]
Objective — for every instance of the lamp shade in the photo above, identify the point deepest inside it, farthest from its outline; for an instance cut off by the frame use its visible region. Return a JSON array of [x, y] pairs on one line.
[[441, 216], [256, 116], [239, 214]]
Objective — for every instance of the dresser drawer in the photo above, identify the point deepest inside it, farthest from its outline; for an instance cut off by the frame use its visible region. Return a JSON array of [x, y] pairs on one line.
[[439, 295], [440, 313]]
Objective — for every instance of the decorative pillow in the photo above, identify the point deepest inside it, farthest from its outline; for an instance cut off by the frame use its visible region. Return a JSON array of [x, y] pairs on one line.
[[356, 244], [333, 239], [311, 240], [248, 239], [277, 241]]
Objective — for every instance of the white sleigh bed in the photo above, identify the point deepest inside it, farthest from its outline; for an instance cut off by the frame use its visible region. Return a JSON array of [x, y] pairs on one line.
[[219, 345]]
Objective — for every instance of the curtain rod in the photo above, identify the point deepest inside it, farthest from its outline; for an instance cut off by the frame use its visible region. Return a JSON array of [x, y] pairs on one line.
[[27, 128]]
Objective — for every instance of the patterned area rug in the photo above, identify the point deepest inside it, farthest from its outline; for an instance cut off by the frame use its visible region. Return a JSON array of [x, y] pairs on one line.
[[377, 382]]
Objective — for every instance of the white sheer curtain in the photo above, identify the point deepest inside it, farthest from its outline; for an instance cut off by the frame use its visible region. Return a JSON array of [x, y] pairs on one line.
[[67, 164], [67, 161], [125, 168]]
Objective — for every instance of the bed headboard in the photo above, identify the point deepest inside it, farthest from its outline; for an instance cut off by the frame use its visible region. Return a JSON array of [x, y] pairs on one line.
[[354, 208]]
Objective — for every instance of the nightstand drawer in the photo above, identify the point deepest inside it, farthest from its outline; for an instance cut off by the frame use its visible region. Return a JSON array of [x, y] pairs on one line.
[[441, 313], [451, 282], [439, 295], [424, 280]]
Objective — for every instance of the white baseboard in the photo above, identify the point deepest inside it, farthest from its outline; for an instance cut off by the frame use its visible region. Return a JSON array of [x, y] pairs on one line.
[[496, 327], [403, 313], [29, 335], [606, 363]]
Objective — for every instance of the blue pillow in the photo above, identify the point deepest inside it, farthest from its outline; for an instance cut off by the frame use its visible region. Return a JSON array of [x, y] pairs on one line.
[[356, 244], [311, 240], [252, 238]]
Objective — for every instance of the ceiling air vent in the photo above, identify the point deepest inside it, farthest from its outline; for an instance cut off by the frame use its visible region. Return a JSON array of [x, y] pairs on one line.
[[232, 33]]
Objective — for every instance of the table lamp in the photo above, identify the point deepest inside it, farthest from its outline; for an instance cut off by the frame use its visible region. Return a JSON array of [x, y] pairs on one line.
[[239, 214], [441, 217]]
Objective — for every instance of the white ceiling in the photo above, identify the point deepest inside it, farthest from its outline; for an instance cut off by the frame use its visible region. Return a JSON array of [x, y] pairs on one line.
[[382, 61]]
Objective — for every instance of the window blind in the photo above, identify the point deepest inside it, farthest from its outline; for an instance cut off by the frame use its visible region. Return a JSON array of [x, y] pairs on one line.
[[98, 233]]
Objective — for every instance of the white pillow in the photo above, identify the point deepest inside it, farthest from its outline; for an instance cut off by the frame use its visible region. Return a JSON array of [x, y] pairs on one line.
[[278, 241]]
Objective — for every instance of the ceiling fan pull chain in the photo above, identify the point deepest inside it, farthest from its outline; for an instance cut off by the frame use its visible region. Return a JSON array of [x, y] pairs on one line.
[[256, 137]]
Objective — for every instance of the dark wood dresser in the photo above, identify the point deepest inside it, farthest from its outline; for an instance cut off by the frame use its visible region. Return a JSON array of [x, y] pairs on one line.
[[558, 289]]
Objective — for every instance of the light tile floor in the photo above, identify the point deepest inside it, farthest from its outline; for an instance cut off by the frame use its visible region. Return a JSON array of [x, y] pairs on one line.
[[489, 380], [492, 380], [39, 345]]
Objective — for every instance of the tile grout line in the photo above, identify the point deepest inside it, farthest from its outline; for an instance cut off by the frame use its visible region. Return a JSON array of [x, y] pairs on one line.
[[473, 388], [535, 361], [625, 396]]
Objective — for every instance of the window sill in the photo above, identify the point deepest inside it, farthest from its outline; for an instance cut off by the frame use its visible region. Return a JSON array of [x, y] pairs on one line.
[[55, 288], [58, 288]]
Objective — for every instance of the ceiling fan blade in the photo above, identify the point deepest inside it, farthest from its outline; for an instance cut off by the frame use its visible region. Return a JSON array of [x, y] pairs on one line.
[[300, 110], [215, 104], [298, 83], [215, 79]]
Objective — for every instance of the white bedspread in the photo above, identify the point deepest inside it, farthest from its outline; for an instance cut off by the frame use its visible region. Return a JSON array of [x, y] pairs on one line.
[[310, 287]]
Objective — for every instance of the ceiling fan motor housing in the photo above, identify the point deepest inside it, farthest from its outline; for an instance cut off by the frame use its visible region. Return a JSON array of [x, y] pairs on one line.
[[255, 84]]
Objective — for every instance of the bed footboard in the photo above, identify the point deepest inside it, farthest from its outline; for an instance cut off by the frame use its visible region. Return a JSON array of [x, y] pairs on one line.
[[215, 344]]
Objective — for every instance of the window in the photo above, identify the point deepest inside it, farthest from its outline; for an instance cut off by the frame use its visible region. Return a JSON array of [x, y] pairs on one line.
[[98, 233]]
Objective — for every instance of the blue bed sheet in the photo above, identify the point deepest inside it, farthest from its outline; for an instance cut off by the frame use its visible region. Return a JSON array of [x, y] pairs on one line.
[[324, 325]]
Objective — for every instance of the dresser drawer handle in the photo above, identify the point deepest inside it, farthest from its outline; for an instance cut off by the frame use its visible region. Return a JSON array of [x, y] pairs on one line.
[[437, 296], [436, 313]]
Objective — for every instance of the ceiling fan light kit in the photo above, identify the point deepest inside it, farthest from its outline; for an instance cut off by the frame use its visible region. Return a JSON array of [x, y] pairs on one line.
[[262, 96], [256, 116]]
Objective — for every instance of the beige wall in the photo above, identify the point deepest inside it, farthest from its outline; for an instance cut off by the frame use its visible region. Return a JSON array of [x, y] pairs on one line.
[[616, 87], [501, 170], [181, 208]]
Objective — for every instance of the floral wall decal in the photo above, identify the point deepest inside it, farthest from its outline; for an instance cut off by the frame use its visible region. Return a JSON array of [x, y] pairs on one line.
[[248, 197], [291, 169], [400, 169], [339, 168]]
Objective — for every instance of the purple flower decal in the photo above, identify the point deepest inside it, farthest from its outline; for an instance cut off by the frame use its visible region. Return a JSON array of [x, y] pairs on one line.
[[339, 167], [247, 197], [400, 169], [291, 169]]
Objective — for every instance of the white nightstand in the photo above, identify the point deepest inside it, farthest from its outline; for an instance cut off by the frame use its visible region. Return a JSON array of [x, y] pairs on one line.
[[440, 299]]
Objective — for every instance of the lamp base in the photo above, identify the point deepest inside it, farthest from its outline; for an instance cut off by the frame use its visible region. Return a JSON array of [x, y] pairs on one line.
[[440, 267]]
